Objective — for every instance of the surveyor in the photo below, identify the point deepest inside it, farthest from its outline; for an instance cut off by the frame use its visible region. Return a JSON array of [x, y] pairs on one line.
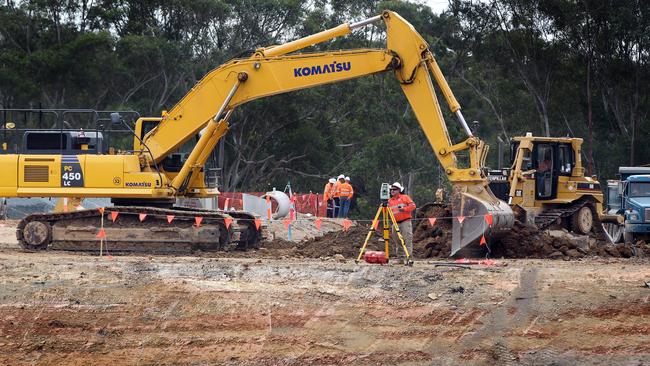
[[345, 192], [328, 197], [402, 206]]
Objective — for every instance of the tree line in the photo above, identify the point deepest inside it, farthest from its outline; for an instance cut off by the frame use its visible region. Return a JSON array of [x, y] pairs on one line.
[[550, 67]]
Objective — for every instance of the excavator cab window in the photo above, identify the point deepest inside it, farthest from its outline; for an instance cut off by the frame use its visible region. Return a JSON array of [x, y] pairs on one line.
[[545, 176]]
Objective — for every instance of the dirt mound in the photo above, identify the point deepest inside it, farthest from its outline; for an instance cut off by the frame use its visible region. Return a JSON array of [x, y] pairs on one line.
[[520, 241], [434, 241], [347, 243]]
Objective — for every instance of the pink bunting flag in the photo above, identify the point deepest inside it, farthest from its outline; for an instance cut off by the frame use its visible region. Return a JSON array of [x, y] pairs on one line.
[[460, 219], [197, 220], [228, 222], [346, 224], [318, 223], [170, 218], [488, 219], [258, 223], [432, 221], [287, 222], [142, 216], [114, 215]]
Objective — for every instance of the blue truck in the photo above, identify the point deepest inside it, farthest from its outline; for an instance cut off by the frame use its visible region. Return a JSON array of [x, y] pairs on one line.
[[629, 199]]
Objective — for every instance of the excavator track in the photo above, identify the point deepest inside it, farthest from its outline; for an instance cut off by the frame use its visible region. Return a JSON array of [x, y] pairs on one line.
[[554, 215], [131, 232]]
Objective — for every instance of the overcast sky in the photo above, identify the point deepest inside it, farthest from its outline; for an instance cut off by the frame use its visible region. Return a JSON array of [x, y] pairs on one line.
[[436, 5]]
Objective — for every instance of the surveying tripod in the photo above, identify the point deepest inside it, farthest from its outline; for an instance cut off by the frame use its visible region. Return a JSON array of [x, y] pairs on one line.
[[386, 214]]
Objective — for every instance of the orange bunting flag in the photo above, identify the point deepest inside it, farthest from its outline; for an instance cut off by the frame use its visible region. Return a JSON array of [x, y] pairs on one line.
[[258, 223], [101, 210], [488, 219], [287, 222], [432, 221], [346, 224], [197, 220], [101, 234], [170, 218], [461, 219], [228, 221], [318, 223], [375, 224], [114, 215], [483, 241], [142, 216]]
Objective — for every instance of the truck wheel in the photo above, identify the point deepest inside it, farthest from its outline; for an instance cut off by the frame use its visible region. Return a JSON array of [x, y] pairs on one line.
[[582, 220]]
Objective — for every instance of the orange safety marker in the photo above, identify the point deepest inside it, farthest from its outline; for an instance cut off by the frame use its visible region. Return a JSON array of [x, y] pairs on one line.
[[375, 224], [287, 222], [101, 234], [170, 218], [228, 222], [483, 241], [142, 216], [101, 210], [318, 223], [346, 224], [197, 220], [460, 219], [488, 219], [432, 221], [114, 215], [268, 210], [258, 223]]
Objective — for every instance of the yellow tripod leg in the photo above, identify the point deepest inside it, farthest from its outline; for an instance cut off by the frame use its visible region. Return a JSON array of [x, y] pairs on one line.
[[386, 228], [372, 229], [399, 235]]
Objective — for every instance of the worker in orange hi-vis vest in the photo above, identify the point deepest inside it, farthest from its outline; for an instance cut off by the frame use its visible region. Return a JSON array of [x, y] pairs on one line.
[[402, 206], [337, 196], [328, 197], [345, 192]]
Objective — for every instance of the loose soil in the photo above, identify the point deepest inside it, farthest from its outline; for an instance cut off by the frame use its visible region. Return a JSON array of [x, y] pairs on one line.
[[258, 308]]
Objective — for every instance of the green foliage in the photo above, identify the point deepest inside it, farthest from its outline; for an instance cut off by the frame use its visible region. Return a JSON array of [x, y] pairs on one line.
[[515, 67]]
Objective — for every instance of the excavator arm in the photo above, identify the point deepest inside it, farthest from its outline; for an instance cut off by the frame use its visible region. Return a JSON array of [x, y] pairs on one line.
[[272, 71]]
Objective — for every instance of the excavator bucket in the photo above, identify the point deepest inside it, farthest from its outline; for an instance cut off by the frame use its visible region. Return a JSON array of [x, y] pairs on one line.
[[477, 212]]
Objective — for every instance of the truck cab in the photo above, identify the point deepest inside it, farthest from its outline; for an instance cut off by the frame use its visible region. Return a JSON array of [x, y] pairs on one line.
[[633, 202]]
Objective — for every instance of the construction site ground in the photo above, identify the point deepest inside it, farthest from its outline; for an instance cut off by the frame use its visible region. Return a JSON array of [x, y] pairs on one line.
[[300, 303]]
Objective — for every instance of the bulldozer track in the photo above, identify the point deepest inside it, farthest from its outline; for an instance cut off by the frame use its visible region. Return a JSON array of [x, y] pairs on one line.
[[550, 217], [77, 231]]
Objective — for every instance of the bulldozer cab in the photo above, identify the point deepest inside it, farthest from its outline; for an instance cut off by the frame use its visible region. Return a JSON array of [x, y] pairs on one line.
[[542, 164]]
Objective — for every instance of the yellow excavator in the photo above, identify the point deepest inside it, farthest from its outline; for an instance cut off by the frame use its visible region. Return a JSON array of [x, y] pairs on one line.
[[150, 179]]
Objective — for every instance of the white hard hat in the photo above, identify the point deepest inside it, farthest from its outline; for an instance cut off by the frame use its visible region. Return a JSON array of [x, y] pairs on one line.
[[398, 186], [332, 180], [347, 178], [341, 176]]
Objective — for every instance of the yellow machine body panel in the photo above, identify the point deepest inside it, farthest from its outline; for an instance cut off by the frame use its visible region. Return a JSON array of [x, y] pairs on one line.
[[78, 176]]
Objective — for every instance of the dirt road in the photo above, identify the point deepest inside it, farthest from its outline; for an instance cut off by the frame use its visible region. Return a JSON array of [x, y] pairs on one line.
[[76, 309]]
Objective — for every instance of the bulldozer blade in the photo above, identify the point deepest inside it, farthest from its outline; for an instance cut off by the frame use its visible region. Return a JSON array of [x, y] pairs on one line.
[[470, 206]]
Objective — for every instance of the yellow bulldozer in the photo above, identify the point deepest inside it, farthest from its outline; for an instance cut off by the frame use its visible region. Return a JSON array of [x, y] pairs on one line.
[[546, 185]]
